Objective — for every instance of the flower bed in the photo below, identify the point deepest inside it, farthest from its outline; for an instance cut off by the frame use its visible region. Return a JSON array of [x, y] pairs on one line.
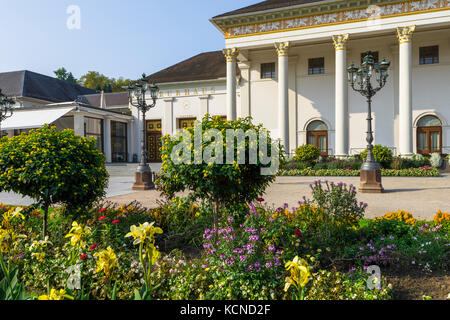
[[412, 172], [322, 248]]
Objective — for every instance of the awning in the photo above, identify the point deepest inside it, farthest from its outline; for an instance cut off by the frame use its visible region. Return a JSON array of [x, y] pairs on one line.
[[32, 119]]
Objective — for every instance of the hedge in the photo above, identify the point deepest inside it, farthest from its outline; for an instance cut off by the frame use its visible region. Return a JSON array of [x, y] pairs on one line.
[[413, 172]]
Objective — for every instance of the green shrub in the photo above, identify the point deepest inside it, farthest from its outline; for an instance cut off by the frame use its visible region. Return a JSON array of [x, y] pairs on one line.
[[382, 154], [53, 167], [223, 184], [307, 153], [333, 285]]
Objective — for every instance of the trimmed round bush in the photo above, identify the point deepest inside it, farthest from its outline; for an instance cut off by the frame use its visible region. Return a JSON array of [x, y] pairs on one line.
[[222, 184], [382, 154], [53, 167], [307, 153]]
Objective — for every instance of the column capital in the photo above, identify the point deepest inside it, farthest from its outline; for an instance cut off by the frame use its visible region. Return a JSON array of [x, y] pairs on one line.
[[231, 54], [404, 34], [282, 48], [340, 41]]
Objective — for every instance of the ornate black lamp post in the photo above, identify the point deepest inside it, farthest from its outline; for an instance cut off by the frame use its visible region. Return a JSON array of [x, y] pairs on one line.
[[6, 108], [137, 95], [368, 80]]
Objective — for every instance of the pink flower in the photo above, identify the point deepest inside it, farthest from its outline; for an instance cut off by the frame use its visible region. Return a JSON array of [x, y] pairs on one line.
[[298, 233], [83, 257], [115, 221], [101, 218], [101, 210], [260, 200], [93, 247]]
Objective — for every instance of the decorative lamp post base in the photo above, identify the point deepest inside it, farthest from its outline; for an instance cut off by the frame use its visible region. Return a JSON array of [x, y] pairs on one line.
[[143, 181], [371, 181]]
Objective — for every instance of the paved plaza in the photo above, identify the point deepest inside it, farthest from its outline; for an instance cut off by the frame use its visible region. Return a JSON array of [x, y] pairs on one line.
[[423, 197]]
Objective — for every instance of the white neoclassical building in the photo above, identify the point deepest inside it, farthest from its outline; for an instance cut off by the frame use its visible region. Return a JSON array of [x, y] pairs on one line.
[[285, 64]]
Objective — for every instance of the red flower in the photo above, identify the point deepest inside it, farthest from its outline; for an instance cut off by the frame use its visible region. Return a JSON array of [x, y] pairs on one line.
[[101, 210], [84, 257], [93, 247], [298, 233], [261, 200], [101, 218], [115, 221]]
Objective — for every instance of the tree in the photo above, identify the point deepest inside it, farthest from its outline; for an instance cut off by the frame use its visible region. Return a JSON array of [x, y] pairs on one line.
[[206, 178], [97, 81], [53, 167], [63, 74]]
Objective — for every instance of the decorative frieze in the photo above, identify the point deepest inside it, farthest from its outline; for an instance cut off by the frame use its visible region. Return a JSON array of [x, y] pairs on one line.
[[405, 34], [340, 41], [338, 17]]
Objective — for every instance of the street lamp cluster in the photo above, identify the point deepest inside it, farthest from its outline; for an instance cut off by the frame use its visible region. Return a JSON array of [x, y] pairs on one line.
[[137, 93], [370, 78]]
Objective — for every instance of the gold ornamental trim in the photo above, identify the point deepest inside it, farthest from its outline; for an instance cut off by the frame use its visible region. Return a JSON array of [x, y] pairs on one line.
[[282, 48], [405, 34], [231, 54], [401, 8], [340, 41]]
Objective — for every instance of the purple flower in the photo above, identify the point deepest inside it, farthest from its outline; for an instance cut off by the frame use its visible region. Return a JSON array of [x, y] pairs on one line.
[[272, 247], [269, 265], [243, 258], [230, 219]]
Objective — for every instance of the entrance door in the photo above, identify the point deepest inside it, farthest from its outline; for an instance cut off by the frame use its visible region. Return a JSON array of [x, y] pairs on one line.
[[154, 144]]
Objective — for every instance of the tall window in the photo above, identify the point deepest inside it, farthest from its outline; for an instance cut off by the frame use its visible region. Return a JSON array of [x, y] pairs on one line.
[[316, 66], [119, 141], [429, 55], [429, 135], [93, 128], [317, 135], [268, 70]]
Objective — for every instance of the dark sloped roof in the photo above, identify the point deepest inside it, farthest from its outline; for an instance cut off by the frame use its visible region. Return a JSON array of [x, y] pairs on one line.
[[266, 5], [205, 66], [38, 86], [112, 99]]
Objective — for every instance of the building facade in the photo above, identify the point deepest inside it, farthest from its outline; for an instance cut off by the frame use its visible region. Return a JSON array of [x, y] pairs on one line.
[[45, 100], [286, 67]]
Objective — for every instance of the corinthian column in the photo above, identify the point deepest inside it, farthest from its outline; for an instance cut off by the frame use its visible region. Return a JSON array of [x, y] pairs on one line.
[[283, 97], [230, 56], [341, 95], [404, 36]]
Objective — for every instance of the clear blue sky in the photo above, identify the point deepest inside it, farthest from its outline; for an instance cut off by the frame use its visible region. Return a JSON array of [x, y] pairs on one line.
[[117, 37]]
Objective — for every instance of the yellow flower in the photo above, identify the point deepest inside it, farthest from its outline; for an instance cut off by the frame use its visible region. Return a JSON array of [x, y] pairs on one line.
[[56, 295], [107, 261], [145, 232], [77, 234], [300, 273]]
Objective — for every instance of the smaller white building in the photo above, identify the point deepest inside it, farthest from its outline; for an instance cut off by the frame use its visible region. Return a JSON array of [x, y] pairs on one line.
[[45, 100]]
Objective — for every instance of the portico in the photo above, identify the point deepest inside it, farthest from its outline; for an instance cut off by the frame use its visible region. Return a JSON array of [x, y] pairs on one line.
[[290, 33]]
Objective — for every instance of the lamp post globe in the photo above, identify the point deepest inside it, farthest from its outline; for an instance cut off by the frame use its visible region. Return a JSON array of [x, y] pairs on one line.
[[368, 80], [137, 93]]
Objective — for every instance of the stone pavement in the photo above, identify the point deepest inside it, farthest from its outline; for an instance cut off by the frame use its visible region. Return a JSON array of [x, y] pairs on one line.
[[423, 197]]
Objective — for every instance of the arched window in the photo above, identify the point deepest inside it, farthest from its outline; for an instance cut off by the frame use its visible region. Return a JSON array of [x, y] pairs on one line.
[[429, 135], [317, 135]]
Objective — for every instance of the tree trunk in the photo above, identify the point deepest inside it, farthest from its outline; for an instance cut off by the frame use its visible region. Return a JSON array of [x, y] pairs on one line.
[[44, 231]]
